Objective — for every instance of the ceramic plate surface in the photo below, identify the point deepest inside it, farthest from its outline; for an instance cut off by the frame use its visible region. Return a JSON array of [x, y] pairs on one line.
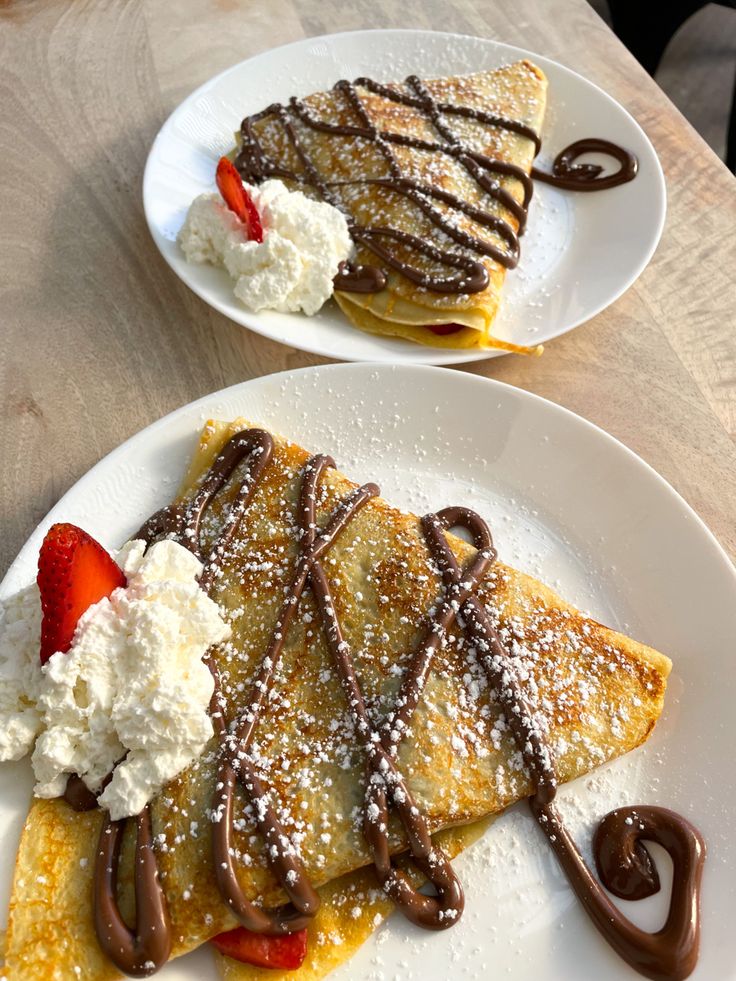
[[580, 251], [568, 504]]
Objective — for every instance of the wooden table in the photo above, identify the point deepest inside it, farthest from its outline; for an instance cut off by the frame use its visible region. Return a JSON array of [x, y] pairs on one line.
[[99, 338]]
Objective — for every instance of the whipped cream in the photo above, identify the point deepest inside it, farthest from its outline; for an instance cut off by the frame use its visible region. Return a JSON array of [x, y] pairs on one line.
[[130, 695], [20, 672], [304, 241]]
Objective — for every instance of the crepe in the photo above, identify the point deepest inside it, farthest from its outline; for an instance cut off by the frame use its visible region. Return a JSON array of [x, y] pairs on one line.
[[352, 909], [599, 693], [514, 92]]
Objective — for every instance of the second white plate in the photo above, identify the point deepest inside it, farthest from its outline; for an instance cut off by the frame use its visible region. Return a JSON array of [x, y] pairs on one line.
[[568, 504], [580, 251]]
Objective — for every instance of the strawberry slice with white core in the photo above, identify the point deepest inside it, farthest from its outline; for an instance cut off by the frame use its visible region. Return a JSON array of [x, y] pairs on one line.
[[238, 200], [74, 571]]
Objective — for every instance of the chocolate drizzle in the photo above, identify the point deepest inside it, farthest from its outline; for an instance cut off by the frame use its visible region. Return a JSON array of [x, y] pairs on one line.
[[385, 785], [78, 795], [626, 869], [571, 176], [480, 631], [255, 165], [144, 950], [283, 860], [353, 278], [624, 865]]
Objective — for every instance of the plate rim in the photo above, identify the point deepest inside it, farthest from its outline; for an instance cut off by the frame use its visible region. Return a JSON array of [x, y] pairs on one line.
[[438, 356]]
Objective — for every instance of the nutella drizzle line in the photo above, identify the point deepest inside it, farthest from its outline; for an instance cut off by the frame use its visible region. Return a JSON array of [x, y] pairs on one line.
[[146, 948], [623, 863], [358, 278], [383, 780], [282, 857], [254, 165], [255, 447]]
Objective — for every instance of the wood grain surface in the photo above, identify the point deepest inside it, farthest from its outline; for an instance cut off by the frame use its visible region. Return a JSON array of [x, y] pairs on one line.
[[99, 338]]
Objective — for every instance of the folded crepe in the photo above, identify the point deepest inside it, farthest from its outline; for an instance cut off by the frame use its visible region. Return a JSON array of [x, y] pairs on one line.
[[598, 693], [325, 145], [352, 908]]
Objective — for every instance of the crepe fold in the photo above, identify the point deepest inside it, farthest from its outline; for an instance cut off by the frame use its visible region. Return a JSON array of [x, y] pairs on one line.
[[597, 692], [352, 908], [349, 166]]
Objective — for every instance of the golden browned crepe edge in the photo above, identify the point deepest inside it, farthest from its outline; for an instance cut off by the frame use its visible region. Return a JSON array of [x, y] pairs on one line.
[[353, 907]]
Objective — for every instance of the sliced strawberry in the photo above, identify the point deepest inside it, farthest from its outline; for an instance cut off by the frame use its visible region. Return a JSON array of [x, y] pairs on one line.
[[74, 571], [286, 952], [443, 329], [238, 200]]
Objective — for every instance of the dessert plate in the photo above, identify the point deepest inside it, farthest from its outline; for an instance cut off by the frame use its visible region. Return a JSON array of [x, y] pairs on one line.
[[570, 505], [580, 251]]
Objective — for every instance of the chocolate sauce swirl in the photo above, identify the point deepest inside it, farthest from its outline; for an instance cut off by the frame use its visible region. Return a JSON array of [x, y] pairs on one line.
[[571, 176], [626, 868], [624, 865], [255, 165]]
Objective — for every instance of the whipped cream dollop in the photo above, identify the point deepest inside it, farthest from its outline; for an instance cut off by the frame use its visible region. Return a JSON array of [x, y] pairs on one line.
[[304, 241], [132, 693], [20, 672]]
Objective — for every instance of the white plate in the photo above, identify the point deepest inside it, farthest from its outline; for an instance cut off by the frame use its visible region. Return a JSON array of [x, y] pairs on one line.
[[580, 251], [567, 503]]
